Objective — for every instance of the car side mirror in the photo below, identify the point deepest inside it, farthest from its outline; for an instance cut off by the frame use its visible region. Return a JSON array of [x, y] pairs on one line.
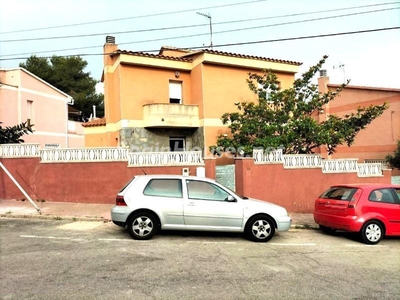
[[230, 198]]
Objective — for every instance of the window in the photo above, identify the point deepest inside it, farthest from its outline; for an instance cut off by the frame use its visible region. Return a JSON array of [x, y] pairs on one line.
[[175, 92], [200, 190], [339, 193], [177, 144], [382, 195], [29, 111], [164, 188]]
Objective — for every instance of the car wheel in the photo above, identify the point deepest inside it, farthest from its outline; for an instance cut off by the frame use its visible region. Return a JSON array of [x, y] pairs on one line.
[[260, 229], [372, 232], [142, 226], [327, 230]]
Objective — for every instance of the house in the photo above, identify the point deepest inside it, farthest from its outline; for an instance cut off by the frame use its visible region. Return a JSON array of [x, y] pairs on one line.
[[26, 97], [174, 100], [380, 137]]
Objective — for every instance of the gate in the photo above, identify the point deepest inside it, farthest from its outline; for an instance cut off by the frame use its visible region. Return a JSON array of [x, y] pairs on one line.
[[226, 175]]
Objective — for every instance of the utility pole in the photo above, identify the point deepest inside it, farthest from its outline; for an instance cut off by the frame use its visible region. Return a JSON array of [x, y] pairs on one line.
[[209, 18]]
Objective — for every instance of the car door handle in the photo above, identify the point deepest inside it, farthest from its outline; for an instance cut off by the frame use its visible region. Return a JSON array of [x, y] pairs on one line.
[[191, 204]]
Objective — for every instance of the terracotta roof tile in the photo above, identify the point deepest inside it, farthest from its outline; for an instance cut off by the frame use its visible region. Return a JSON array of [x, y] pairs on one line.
[[95, 123], [190, 52], [247, 56], [151, 55], [358, 87]]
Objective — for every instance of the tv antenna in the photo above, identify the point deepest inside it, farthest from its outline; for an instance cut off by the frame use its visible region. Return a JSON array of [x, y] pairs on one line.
[[341, 66], [209, 18]]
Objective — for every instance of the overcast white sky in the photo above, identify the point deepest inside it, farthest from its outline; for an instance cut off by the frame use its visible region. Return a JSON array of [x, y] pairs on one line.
[[369, 59]]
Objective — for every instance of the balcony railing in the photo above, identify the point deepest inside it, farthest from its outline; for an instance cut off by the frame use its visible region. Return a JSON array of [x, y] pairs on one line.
[[83, 155], [347, 165], [267, 157], [165, 158], [170, 115], [19, 150], [293, 161], [369, 169]]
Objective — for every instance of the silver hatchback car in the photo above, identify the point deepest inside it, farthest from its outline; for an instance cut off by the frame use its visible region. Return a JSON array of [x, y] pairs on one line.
[[148, 203]]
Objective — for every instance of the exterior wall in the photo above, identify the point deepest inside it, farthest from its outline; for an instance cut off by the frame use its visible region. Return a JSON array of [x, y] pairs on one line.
[[48, 112], [380, 137], [99, 182], [140, 139], [213, 81], [94, 182], [273, 183]]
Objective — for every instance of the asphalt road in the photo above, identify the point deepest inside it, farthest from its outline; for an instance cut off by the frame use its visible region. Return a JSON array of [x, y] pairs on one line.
[[50, 259]]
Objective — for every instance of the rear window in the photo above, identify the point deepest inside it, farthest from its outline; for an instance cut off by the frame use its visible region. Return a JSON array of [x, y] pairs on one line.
[[339, 193], [126, 185], [164, 188]]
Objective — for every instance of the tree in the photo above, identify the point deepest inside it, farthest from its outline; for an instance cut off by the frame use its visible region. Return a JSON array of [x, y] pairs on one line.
[[12, 135], [394, 160], [287, 118], [67, 74]]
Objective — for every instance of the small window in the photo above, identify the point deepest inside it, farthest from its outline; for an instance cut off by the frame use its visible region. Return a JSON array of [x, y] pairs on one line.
[[164, 188], [339, 193], [177, 144], [175, 92], [200, 190], [29, 112], [382, 195]]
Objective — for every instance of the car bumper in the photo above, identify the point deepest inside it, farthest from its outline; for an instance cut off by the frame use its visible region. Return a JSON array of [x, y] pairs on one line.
[[348, 223], [284, 223], [119, 214]]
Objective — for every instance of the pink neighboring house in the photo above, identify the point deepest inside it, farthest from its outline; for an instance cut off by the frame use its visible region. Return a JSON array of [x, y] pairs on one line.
[[25, 96]]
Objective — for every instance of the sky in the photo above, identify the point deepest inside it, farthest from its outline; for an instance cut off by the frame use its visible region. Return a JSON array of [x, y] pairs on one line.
[[277, 29]]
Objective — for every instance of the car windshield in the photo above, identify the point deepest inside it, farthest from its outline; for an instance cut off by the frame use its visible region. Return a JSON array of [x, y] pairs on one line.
[[339, 193]]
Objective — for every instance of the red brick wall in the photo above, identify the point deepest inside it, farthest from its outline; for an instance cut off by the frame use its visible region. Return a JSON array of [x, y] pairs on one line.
[[294, 189], [75, 182]]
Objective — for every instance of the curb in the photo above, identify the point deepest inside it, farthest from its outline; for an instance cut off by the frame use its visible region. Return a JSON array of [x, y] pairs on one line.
[[105, 220], [56, 218]]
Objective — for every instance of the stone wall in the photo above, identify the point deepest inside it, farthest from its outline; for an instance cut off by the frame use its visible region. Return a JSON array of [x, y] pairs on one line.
[[140, 139]]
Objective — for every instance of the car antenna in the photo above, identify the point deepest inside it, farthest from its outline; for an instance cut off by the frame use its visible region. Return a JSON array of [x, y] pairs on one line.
[[143, 171]]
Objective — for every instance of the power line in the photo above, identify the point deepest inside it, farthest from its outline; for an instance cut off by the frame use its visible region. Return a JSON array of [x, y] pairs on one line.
[[129, 18], [242, 43], [199, 25], [218, 32]]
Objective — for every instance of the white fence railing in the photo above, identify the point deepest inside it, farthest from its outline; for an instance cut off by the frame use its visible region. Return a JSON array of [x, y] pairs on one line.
[[369, 169], [83, 155], [267, 157], [347, 165], [165, 158], [301, 161], [293, 161], [19, 150]]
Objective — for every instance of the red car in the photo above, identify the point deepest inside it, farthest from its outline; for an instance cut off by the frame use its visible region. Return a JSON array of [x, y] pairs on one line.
[[373, 210]]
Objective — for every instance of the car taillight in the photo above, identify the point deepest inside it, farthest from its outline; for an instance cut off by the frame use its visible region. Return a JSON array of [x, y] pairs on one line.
[[120, 201]]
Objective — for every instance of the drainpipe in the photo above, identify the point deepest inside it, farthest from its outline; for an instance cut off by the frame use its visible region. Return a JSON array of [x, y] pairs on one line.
[[20, 188]]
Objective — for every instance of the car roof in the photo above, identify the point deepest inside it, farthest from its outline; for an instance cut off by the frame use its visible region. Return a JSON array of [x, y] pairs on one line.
[[367, 185], [174, 176]]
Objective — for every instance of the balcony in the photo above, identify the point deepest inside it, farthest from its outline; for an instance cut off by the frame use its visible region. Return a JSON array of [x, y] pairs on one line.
[[170, 115]]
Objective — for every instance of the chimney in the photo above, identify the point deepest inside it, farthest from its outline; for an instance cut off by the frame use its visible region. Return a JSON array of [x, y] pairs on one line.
[[323, 73], [110, 39]]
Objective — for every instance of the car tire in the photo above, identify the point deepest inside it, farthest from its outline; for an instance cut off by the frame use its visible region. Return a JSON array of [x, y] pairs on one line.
[[372, 232], [142, 226], [327, 230], [260, 228]]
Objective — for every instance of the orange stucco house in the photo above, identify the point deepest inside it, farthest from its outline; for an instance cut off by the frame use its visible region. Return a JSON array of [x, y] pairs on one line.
[[174, 100], [24, 96], [380, 137]]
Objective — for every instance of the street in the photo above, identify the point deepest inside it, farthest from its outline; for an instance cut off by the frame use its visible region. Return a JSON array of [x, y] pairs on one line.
[[60, 259]]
